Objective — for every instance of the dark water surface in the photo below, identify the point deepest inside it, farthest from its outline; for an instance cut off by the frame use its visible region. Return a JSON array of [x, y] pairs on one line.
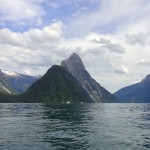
[[71, 127]]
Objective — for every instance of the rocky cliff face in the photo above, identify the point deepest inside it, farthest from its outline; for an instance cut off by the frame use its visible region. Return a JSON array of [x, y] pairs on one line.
[[75, 66]]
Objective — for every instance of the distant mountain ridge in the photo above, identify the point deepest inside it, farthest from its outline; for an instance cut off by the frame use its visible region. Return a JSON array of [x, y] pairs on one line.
[[136, 93], [98, 94], [15, 83]]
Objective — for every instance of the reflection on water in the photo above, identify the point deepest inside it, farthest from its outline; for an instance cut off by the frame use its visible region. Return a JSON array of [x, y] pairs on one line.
[[80, 126]]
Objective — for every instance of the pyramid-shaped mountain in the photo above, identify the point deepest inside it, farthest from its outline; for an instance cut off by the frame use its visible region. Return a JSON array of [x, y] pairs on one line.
[[56, 86], [136, 93], [97, 93]]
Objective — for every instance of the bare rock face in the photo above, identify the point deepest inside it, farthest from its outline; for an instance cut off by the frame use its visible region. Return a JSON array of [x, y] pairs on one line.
[[76, 67]]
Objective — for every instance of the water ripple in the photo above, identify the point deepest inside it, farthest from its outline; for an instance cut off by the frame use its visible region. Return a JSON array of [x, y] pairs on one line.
[[70, 127]]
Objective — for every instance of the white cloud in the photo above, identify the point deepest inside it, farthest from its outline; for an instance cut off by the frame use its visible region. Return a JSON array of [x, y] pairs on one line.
[[33, 48], [143, 61], [139, 38], [27, 72], [106, 43], [15, 10], [47, 34], [122, 70], [114, 47], [111, 15]]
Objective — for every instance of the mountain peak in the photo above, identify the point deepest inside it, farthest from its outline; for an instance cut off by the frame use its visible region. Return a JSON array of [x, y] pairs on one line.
[[75, 59], [146, 79], [75, 66], [74, 55], [74, 62], [148, 76]]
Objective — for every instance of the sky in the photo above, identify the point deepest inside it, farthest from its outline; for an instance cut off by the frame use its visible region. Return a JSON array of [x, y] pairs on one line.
[[112, 37]]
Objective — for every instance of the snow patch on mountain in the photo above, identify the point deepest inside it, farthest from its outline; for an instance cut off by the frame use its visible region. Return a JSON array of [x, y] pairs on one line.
[[9, 73]]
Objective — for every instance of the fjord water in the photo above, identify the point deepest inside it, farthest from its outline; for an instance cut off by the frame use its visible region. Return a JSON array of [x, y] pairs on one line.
[[75, 126]]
